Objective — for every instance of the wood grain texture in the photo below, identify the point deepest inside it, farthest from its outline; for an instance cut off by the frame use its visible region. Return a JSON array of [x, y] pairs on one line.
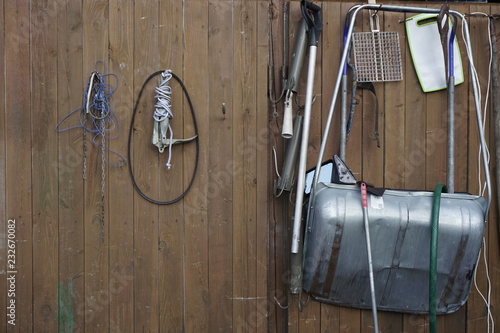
[[245, 148], [70, 86], [263, 181], [172, 182], [220, 165], [391, 127], [196, 230], [414, 154], [350, 319], [18, 176], [215, 260], [3, 207], [493, 227], [477, 313], [455, 322], [146, 167], [95, 48], [121, 193], [279, 207], [44, 181]]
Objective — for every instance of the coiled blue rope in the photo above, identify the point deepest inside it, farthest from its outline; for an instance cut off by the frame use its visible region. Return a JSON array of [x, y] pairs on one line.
[[98, 105]]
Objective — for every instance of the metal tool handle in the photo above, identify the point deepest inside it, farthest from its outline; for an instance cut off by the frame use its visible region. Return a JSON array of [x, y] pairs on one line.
[[297, 220], [364, 196], [364, 203], [298, 56]]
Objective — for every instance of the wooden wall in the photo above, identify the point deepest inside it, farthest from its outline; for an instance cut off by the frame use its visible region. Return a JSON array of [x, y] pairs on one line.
[[216, 260], [412, 156]]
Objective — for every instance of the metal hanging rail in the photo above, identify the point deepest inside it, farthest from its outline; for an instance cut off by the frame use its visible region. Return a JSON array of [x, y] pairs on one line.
[[353, 12]]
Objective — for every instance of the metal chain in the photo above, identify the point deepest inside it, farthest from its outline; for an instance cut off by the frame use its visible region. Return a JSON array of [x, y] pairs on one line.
[[103, 176], [84, 154]]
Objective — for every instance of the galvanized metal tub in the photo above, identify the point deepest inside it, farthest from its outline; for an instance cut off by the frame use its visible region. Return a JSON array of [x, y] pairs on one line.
[[335, 266]]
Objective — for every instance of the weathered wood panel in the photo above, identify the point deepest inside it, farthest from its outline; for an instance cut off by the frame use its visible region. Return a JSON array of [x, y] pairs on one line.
[[171, 218], [18, 175], [215, 260], [220, 165], [120, 191], [146, 166], [71, 285], [45, 181], [3, 207], [245, 148], [264, 305], [331, 45], [96, 214], [196, 242]]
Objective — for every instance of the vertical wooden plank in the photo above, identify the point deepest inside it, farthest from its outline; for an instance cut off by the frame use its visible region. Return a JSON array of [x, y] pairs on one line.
[[245, 149], [458, 320], [95, 41], [171, 217], [461, 114], [372, 158], [414, 158], [462, 133], [44, 150], [392, 125], [279, 220], [350, 319], [219, 191], [331, 48], [331, 40], [389, 99], [3, 207], [70, 86], [354, 146], [393, 142], [435, 148], [264, 183], [285, 319], [455, 322], [197, 72], [493, 232], [121, 192], [309, 317], [395, 109], [18, 159], [414, 154], [146, 168], [476, 310]]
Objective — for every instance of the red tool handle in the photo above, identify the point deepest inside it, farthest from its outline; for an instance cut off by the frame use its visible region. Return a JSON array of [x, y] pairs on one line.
[[364, 196]]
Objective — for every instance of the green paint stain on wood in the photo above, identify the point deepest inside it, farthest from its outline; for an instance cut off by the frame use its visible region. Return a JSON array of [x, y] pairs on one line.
[[66, 318]]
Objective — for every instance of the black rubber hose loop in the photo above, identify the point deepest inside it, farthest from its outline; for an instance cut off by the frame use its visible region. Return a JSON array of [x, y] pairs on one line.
[[136, 187]]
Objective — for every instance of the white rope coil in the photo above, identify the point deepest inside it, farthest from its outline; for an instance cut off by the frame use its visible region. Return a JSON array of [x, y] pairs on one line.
[[163, 107]]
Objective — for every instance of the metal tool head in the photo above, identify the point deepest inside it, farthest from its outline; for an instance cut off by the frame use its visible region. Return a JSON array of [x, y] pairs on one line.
[[342, 174], [377, 56]]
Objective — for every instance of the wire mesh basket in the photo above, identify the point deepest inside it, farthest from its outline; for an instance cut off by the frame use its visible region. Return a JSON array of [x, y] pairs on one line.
[[377, 56]]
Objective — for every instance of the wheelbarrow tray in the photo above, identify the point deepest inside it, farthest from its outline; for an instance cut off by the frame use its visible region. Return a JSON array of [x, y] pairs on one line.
[[335, 260]]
